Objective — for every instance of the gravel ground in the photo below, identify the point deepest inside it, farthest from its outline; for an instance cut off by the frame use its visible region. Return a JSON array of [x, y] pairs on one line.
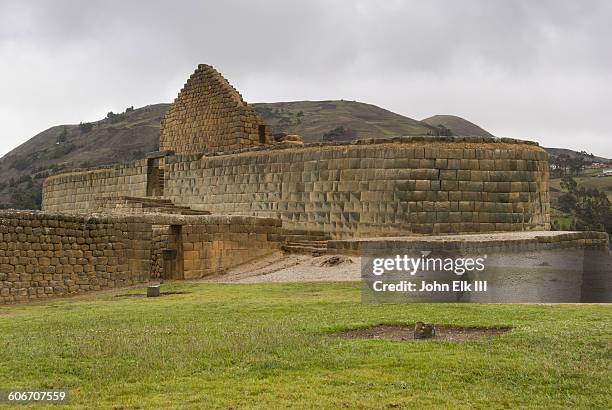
[[281, 267]]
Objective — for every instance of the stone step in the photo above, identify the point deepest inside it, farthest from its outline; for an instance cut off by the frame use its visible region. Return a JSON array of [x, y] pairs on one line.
[[304, 232], [307, 250], [195, 212], [298, 237], [146, 200], [157, 205], [314, 244]]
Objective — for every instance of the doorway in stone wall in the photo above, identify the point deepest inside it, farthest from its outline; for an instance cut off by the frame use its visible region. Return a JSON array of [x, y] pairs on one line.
[[173, 256], [262, 134], [155, 177]]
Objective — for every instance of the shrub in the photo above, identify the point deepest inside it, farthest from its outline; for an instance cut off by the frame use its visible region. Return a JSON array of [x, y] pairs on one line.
[[85, 127], [442, 131], [20, 164], [25, 197], [59, 151], [567, 202], [63, 136], [340, 133]]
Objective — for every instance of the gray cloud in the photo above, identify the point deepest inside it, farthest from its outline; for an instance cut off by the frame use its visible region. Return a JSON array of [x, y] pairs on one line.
[[529, 69]]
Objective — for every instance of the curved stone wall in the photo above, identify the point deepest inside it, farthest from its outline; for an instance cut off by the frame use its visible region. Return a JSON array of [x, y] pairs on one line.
[[420, 185], [78, 191]]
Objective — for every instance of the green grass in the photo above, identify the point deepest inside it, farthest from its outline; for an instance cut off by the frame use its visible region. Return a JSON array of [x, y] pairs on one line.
[[268, 346], [563, 219]]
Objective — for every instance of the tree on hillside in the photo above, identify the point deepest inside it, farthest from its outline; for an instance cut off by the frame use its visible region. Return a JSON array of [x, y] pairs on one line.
[[563, 165], [442, 131], [593, 210], [567, 202], [568, 183], [339, 133], [561, 162], [85, 127], [63, 136], [591, 207], [576, 165]]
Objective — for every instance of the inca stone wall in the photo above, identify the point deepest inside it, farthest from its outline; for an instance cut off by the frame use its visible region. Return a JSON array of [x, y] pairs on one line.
[[421, 185], [44, 255], [79, 191], [210, 115], [212, 246]]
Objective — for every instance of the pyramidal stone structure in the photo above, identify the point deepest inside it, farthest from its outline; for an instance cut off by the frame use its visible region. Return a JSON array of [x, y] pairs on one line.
[[209, 115], [221, 192]]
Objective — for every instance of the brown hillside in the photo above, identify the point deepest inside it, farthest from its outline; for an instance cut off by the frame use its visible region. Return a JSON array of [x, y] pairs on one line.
[[314, 119], [122, 138], [457, 125]]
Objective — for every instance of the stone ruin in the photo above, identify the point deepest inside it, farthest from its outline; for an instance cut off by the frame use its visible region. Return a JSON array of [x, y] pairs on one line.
[[222, 192], [209, 115]]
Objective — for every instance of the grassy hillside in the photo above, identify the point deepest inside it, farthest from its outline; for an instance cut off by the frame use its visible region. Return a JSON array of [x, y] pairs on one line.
[[589, 179], [118, 139], [314, 119], [457, 125], [271, 346], [575, 154]]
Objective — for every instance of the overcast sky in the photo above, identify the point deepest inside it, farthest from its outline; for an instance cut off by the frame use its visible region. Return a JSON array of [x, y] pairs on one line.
[[531, 69]]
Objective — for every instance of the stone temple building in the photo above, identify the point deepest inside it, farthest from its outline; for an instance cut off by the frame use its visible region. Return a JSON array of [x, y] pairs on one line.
[[217, 156], [221, 191]]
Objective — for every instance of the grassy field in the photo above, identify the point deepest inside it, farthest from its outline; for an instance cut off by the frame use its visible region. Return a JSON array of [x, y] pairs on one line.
[[563, 219], [269, 346]]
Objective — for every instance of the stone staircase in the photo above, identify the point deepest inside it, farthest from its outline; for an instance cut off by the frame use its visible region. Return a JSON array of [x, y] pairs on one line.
[[148, 205], [303, 242]]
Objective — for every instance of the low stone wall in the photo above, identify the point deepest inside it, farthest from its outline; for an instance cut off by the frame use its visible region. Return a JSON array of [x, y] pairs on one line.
[[214, 248], [424, 185], [43, 255], [79, 191], [486, 243], [517, 267], [213, 245]]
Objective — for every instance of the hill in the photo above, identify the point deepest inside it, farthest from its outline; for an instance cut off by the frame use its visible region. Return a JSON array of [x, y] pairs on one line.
[[457, 125], [115, 139], [127, 136], [338, 120], [589, 157]]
